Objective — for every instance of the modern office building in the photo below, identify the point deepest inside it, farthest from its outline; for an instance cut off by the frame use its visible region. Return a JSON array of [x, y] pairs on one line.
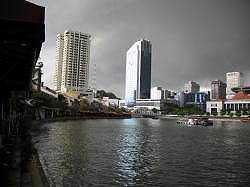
[[198, 99], [157, 93], [191, 87], [218, 90], [160, 93], [234, 79], [151, 103], [138, 72], [72, 62]]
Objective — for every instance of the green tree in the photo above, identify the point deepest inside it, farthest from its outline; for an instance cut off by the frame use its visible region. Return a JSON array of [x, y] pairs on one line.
[[181, 111], [154, 110], [168, 108], [215, 113], [238, 113], [244, 111], [84, 105], [222, 112], [47, 100], [120, 110], [196, 110], [228, 111], [102, 93]]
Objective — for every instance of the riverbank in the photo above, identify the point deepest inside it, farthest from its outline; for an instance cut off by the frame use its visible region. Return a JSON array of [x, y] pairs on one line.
[[33, 174], [69, 118], [211, 118], [25, 168], [31, 171]]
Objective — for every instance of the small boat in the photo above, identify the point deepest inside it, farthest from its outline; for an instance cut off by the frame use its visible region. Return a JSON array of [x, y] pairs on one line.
[[182, 121], [206, 122], [187, 121], [245, 120], [203, 121]]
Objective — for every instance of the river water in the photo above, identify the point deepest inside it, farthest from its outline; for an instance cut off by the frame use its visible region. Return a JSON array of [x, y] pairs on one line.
[[144, 152]]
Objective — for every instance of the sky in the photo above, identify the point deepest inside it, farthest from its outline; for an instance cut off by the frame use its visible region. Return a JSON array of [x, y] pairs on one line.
[[198, 40]]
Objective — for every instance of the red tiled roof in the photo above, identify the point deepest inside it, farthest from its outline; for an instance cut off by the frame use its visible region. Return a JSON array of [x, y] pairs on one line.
[[241, 95]]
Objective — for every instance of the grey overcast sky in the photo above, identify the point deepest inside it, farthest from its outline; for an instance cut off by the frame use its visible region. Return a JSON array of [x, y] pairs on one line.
[[197, 40]]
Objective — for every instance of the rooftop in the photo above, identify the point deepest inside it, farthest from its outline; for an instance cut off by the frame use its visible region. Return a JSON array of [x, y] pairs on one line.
[[241, 95], [245, 90]]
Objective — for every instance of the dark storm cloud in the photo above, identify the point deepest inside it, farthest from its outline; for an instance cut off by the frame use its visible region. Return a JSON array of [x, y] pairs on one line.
[[196, 40]]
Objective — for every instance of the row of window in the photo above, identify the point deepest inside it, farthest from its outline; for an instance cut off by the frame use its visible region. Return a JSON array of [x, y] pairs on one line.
[[237, 106]]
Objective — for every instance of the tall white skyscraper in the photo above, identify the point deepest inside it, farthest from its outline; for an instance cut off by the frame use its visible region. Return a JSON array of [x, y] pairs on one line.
[[234, 79], [72, 62], [138, 72]]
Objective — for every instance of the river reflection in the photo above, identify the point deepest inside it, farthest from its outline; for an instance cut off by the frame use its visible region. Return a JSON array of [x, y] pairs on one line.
[[144, 152], [137, 153]]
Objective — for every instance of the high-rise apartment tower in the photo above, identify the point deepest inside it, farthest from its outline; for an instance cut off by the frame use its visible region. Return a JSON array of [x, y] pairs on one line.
[[72, 61], [234, 79], [138, 72]]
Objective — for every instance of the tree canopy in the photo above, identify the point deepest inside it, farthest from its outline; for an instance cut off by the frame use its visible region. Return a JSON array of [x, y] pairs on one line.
[[48, 100], [102, 93]]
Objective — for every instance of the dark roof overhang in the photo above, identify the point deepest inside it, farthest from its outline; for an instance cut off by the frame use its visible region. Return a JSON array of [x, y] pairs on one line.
[[21, 36]]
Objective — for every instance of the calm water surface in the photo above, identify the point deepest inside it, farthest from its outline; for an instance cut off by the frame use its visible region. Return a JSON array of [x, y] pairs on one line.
[[144, 152]]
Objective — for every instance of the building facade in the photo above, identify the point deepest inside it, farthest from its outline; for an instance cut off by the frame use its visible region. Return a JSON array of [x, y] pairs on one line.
[[198, 99], [110, 102], [72, 62], [234, 79], [138, 72], [157, 93], [148, 103], [239, 102], [232, 105], [218, 89], [191, 87]]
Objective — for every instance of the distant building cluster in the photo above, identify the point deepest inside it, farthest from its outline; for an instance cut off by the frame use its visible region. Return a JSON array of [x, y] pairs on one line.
[[138, 84], [72, 76]]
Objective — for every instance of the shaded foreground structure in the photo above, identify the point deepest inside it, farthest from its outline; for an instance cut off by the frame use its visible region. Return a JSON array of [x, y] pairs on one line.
[[21, 36]]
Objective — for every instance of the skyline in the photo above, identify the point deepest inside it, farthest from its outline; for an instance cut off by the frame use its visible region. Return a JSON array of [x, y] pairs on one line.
[[190, 38]]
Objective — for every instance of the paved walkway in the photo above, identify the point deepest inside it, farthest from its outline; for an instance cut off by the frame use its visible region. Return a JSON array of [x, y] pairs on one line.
[[28, 173], [35, 175]]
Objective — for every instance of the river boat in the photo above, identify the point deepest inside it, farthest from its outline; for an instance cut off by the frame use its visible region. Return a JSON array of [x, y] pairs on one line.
[[203, 121], [245, 120], [182, 121]]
